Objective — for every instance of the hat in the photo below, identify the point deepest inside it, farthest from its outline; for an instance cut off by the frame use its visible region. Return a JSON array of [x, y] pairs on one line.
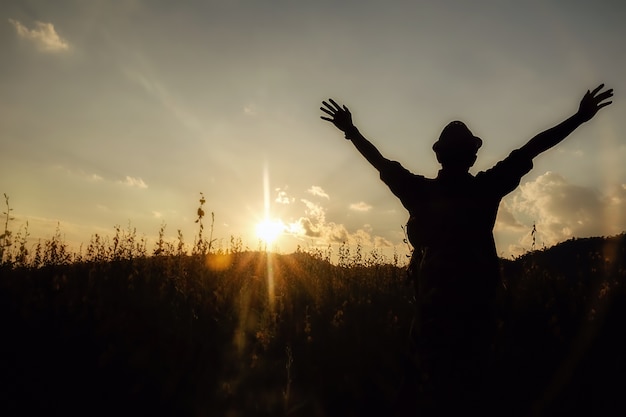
[[457, 137]]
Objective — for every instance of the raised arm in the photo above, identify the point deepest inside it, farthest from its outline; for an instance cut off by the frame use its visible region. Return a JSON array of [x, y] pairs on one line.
[[590, 104], [341, 117]]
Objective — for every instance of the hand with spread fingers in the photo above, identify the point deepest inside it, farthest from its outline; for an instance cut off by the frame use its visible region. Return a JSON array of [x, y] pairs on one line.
[[593, 101], [340, 116]]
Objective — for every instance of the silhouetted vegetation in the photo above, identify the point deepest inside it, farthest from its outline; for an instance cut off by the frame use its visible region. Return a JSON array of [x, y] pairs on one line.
[[563, 342], [118, 330]]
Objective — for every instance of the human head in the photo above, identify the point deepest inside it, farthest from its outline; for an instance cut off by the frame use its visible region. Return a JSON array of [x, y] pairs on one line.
[[457, 146]]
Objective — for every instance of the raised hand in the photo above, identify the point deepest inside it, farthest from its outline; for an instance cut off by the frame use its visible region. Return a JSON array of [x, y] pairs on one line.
[[340, 116], [593, 101]]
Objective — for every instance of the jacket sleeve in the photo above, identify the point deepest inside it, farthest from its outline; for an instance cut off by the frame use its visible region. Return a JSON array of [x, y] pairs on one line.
[[506, 175], [402, 183]]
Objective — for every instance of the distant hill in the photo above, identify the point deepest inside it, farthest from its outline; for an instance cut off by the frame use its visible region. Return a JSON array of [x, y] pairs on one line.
[[574, 258]]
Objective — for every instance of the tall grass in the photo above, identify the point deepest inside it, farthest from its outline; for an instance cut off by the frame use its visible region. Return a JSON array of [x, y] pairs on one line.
[[221, 330]]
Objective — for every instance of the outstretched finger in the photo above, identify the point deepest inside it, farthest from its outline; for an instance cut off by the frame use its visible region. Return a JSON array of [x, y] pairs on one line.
[[604, 104], [346, 110], [328, 112], [335, 104], [604, 95], [326, 118], [598, 88], [328, 105]]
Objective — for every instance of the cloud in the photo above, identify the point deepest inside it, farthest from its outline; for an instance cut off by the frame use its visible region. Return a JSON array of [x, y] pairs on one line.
[[250, 110], [562, 210], [314, 210], [314, 225], [78, 173], [283, 198], [134, 182], [318, 191], [304, 226], [360, 206], [43, 35], [337, 233], [506, 219], [381, 242]]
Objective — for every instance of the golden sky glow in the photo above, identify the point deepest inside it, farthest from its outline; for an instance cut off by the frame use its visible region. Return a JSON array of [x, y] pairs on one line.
[[117, 112]]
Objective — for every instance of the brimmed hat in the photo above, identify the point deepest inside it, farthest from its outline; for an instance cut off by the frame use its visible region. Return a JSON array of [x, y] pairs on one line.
[[456, 137]]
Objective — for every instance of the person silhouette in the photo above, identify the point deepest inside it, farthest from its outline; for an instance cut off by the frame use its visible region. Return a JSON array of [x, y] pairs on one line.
[[454, 265]]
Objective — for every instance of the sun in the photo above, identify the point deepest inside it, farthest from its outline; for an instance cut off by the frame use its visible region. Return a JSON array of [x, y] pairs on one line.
[[269, 230]]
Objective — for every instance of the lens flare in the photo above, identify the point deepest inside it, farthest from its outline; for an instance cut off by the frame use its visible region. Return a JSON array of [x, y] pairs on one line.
[[269, 230]]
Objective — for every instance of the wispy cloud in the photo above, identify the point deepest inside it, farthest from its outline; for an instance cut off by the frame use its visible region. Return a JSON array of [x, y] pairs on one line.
[[318, 191], [43, 35], [134, 182], [250, 110], [360, 206], [78, 173], [314, 211], [283, 198]]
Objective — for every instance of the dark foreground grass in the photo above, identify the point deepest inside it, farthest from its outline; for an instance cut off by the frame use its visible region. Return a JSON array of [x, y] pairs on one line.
[[247, 333]]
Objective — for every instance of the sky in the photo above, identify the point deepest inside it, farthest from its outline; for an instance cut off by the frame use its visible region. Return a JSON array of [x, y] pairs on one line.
[[122, 113]]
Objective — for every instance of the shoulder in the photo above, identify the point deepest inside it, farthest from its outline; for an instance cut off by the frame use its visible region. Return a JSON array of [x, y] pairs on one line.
[[518, 163], [393, 170], [506, 175]]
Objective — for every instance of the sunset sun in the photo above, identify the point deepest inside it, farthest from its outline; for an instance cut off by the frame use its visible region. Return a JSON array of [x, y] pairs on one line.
[[269, 230]]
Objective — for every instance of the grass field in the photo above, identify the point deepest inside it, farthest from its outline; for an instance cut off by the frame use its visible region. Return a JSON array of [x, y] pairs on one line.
[[222, 331]]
